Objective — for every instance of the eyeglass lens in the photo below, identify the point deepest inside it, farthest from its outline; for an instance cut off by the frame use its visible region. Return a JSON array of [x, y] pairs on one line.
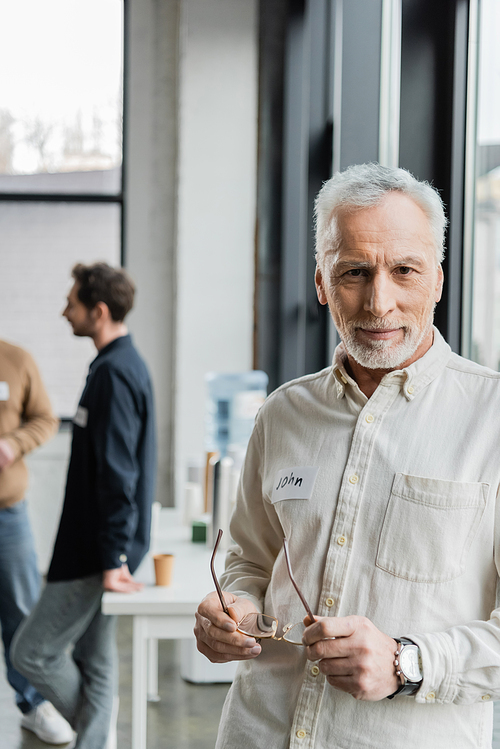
[[262, 626]]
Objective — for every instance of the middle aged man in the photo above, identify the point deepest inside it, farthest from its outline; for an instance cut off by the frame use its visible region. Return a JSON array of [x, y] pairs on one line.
[[391, 529], [105, 523]]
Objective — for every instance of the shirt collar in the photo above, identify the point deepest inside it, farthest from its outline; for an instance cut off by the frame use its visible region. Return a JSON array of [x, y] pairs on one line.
[[120, 342], [412, 379]]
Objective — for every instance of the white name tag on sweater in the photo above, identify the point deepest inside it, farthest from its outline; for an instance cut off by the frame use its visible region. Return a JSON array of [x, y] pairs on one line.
[[294, 483], [4, 391], [81, 417]]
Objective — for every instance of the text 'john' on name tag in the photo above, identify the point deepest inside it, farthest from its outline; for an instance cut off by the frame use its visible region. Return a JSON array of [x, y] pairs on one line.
[[294, 483], [81, 417], [4, 391]]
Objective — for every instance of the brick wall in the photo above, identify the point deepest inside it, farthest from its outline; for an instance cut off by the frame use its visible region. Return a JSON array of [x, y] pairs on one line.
[[39, 244]]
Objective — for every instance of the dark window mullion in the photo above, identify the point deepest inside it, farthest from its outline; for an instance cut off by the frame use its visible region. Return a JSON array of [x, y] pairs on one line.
[[46, 197]]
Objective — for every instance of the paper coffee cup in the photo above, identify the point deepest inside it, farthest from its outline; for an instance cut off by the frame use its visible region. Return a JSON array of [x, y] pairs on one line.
[[164, 564]]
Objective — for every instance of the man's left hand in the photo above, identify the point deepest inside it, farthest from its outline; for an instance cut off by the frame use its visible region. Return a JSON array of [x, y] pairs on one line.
[[359, 661], [120, 580]]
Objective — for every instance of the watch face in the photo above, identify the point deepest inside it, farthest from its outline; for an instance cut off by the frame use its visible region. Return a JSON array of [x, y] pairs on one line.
[[409, 663]]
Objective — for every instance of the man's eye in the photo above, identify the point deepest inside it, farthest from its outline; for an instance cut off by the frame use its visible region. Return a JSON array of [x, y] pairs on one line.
[[355, 272], [404, 270]]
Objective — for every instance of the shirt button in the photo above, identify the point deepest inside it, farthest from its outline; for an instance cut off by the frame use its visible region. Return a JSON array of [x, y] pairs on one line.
[[411, 390], [315, 672], [341, 540], [353, 479], [430, 696], [329, 602], [369, 418], [486, 697], [301, 734], [123, 558]]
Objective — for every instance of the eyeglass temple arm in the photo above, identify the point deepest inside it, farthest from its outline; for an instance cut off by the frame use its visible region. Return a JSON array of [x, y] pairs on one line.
[[304, 602], [215, 579]]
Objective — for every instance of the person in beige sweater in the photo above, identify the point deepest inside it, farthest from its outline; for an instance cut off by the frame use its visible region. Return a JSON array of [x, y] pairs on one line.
[[26, 421]]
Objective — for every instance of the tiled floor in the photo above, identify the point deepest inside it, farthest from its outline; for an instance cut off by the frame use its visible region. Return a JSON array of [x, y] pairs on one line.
[[186, 717]]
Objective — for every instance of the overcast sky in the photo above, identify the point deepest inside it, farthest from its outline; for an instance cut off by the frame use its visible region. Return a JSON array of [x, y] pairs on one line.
[[59, 58], [59, 55]]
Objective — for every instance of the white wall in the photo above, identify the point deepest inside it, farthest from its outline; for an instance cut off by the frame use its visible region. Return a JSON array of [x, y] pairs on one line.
[[216, 215], [39, 244]]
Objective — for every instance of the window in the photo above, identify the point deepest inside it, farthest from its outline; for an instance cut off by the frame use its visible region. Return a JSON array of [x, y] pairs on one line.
[[484, 278], [60, 171]]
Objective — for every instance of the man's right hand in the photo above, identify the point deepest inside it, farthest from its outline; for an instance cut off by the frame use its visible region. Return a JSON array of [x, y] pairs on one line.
[[7, 455], [216, 633]]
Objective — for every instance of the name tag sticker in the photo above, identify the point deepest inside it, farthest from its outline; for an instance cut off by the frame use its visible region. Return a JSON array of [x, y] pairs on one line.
[[294, 483], [81, 417], [4, 391]]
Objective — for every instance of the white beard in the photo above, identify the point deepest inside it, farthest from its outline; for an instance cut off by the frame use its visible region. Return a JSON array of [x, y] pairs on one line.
[[384, 354]]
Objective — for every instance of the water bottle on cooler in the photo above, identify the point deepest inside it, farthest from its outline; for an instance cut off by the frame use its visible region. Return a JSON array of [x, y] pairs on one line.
[[232, 405]]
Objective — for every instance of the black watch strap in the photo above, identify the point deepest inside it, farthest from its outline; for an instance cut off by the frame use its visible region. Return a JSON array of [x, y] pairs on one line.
[[408, 689]]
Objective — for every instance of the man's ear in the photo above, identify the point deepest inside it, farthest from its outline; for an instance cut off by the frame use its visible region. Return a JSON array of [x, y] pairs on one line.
[[100, 313], [320, 289], [439, 285]]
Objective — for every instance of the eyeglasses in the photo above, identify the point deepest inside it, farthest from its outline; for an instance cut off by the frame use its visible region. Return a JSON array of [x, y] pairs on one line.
[[263, 626]]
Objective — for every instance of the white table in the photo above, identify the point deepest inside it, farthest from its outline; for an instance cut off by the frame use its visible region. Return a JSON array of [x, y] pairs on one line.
[[162, 613]]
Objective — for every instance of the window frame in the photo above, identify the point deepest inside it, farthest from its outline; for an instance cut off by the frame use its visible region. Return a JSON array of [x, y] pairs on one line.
[[119, 197]]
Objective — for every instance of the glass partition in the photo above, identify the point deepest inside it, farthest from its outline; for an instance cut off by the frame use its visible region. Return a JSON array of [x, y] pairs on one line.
[[485, 281]]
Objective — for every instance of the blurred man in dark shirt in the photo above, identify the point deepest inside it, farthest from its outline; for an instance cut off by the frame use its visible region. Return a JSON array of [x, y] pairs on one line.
[[104, 528]]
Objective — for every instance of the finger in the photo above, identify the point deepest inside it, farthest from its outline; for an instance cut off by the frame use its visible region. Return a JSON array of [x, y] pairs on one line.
[[212, 656], [218, 657], [211, 609], [336, 667], [341, 647], [220, 642], [333, 647], [328, 627], [132, 583], [239, 609], [235, 639], [308, 621], [134, 586], [121, 587], [234, 651], [343, 683]]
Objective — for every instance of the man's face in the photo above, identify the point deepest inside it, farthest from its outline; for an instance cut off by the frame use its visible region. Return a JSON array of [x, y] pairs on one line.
[[382, 284], [77, 314]]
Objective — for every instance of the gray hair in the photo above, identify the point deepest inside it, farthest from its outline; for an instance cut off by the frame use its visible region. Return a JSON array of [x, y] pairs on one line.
[[365, 185]]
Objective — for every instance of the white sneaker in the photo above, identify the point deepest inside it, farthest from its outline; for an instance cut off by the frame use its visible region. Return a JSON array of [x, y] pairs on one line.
[[48, 724]]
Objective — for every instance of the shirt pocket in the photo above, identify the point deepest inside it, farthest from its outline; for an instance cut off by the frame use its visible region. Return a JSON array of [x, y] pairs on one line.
[[428, 528]]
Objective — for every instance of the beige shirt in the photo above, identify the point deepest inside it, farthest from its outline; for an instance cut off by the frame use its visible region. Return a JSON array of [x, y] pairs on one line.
[[401, 526], [26, 417]]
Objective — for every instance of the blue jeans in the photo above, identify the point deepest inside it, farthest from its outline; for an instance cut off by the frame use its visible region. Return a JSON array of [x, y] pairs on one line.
[[19, 591], [67, 649]]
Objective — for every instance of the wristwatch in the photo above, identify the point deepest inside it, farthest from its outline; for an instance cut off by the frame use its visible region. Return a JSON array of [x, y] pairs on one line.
[[408, 665]]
